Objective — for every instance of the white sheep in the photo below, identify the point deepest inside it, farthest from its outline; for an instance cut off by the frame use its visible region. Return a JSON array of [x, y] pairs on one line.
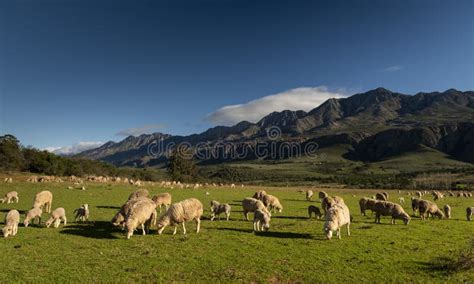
[[261, 220], [181, 212], [401, 200], [58, 215], [11, 223], [272, 203], [138, 193], [251, 205], [163, 199], [337, 216], [10, 197], [143, 214], [447, 211], [44, 200], [218, 209], [82, 213], [309, 195], [32, 214]]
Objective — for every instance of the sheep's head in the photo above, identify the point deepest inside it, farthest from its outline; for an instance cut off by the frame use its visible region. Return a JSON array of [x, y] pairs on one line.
[[162, 223], [7, 231], [49, 222], [279, 208], [328, 232], [406, 219], [26, 222], [439, 214]]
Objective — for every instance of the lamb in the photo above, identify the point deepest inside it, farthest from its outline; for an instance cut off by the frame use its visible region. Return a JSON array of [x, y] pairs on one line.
[[10, 197], [119, 218], [143, 214], [401, 200], [217, 209], [58, 215], [381, 196], [272, 203], [181, 212], [322, 195], [163, 199], [309, 195], [337, 216], [469, 212], [11, 223], [44, 199], [447, 211], [251, 205], [427, 207], [387, 208], [32, 214], [259, 195], [82, 213], [314, 210], [138, 193], [261, 221]]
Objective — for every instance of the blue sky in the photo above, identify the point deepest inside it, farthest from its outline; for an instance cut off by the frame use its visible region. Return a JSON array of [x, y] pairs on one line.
[[85, 71]]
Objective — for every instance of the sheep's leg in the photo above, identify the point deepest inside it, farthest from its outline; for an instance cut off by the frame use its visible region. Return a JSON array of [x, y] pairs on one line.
[[338, 232], [184, 229], [198, 225], [246, 215], [348, 229], [65, 220], [227, 215], [255, 226], [175, 229], [143, 229], [213, 216]]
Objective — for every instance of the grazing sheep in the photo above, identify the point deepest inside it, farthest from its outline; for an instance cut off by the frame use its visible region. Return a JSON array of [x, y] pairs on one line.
[[419, 194], [143, 214], [58, 215], [163, 199], [8, 180], [181, 212], [469, 212], [32, 214], [138, 193], [387, 208], [11, 223], [119, 218], [259, 195], [337, 216], [401, 200], [309, 195], [272, 203], [415, 205], [329, 201], [252, 204], [217, 209], [322, 195], [362, 205], [43, 200], [447, 211], [261, 221], [10, 197], [82, 213], [314, 210], [381, 196], [428, 208]]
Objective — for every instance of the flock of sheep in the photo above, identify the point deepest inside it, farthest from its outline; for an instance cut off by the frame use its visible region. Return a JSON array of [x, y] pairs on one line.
[[140, 211]]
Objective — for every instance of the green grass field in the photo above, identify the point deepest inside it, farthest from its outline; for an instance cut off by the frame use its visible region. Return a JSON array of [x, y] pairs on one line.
[[293, 250]]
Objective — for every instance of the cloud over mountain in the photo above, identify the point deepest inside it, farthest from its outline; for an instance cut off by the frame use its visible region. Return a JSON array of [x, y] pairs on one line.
[[75, 148]]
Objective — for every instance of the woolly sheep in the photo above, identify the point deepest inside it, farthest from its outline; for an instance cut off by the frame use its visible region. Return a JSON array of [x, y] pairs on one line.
[[163, 199], [329, 201], [82, 213], [119, 218], [337, 216], [314, 210], [10, 197], [309, 195], [447, 211], [381, 196], [58, 215], [252, 204], [415, 205], [469, 212], [217, 209], [143, 214], [259, 195], [272, 203], [44, 200], [138, 193], [401, 200], [32, 214], [11, 223], [427, 207], [261, 221], [387, 208], [181, 212]]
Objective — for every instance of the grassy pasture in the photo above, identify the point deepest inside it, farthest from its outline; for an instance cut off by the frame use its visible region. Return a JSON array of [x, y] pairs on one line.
[[293, 250]]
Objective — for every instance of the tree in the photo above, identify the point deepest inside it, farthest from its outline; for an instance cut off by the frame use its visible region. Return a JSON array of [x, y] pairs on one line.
[[11, 157], [182, 166]]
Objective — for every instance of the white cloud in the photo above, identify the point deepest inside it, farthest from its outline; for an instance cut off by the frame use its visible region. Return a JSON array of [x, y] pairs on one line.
[[137, 131], [393, 68], [304, 98], [74, 149]]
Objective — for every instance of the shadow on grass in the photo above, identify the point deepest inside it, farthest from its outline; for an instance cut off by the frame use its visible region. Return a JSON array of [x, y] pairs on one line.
[[302, 200], [290, 217], [8, 210], [96, 230], [107, 207], [284, 235]]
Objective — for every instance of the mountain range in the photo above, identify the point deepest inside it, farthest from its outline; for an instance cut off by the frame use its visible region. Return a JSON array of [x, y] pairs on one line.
[[377, 125]]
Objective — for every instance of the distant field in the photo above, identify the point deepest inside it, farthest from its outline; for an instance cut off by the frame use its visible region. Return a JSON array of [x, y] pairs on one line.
[[293, 250]]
